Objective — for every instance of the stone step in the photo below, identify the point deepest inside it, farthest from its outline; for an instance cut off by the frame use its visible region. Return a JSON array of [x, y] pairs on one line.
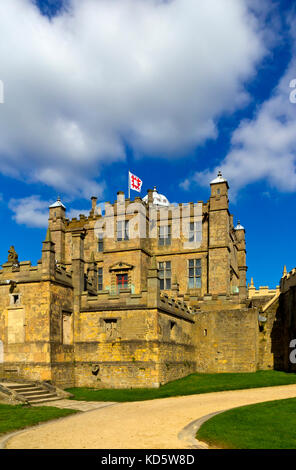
[[27, 389], [20, 387], [45, 400], [34, 392], [41, 396]]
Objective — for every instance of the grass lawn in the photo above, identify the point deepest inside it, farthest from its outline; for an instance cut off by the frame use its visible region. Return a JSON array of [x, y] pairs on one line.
[[190, 385], [14, 417], [269, 425]]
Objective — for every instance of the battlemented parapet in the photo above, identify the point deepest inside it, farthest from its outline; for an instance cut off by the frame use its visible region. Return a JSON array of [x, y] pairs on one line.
[[263, 291]]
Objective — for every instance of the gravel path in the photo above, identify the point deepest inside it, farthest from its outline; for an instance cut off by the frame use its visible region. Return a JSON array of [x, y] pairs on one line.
[[153, 424]]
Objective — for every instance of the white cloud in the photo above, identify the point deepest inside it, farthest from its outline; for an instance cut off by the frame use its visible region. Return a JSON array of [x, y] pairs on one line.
[[32, 211], [157, 73], [263, 148]]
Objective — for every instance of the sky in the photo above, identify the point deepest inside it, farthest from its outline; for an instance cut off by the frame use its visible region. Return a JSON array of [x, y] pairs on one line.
[[174, 90]]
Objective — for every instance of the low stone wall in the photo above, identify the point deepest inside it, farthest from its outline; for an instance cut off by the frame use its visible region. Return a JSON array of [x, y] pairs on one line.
[[116, 374], [227, 341]]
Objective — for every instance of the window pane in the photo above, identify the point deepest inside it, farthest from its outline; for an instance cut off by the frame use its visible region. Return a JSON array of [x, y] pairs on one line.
[[191, 263], [168, 284], [198, 236], [191, 283]]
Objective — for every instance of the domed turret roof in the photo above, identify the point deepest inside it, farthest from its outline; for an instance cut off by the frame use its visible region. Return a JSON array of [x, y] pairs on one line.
[[158, 199], [219, 179], [58, 203], [239, 226]]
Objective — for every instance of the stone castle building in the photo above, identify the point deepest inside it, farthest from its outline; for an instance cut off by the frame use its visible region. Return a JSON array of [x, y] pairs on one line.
[[104, 308]]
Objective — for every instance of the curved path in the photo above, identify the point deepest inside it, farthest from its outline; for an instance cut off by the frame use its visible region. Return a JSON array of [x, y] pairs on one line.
[[154, 424]]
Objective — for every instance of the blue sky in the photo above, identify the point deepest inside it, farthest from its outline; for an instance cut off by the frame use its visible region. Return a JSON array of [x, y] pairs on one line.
[[172, 91]]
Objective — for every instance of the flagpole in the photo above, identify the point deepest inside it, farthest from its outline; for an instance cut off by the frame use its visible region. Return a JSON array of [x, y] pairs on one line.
[[129, 187]]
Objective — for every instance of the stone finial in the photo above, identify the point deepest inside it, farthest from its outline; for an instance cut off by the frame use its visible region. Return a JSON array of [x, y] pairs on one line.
[[48, 236], [12, 255], [285, 271], [252, 282]]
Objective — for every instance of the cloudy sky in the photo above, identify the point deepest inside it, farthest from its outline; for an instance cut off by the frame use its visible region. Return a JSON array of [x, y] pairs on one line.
[[174, 90]]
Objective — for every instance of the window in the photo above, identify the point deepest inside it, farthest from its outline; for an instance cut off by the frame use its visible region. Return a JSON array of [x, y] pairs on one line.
[[122, 230], [165, 275], [195, 232], [15, 299], [122, 281], [164, 235], [101, 242], [194, 273], [100, 278]]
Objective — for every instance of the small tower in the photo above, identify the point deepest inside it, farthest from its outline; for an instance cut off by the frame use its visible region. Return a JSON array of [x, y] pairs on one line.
[[219, 192], [48, 256], [241, 260], [219, 280], [56, 224]]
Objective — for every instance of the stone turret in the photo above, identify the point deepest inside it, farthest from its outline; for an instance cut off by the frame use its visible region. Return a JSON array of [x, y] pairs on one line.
[[56, 224], [241, 259], [48, 256], [219, 226]]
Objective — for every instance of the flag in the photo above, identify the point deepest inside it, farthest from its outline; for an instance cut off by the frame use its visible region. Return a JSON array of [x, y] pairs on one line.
[[135, 182]]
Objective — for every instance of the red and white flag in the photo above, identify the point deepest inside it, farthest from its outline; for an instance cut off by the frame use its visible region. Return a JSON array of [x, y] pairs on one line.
[[135, 182]]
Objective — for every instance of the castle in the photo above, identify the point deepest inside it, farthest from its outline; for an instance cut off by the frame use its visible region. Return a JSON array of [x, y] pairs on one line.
[[137, 295]]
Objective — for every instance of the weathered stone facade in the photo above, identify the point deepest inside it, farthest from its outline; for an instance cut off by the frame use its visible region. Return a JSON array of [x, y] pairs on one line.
[[132, 311]]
